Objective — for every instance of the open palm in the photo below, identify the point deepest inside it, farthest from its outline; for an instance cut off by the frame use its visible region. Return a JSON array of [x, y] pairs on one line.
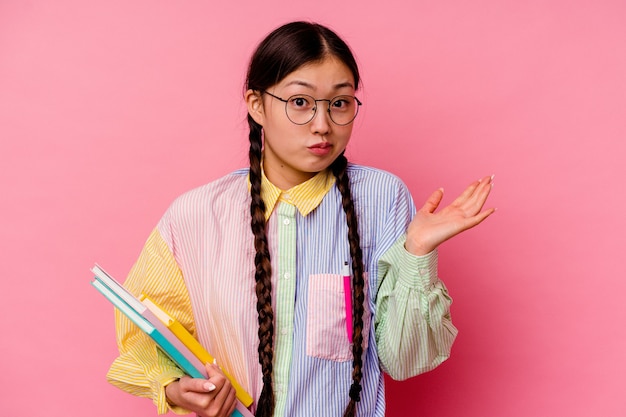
[[429, 229]]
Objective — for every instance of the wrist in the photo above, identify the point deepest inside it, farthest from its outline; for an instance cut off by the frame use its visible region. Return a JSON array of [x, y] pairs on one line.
[[417, 248], [170, 392]]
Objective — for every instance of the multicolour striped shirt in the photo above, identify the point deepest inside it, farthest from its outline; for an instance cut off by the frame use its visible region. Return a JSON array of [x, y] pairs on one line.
[[198, 264]]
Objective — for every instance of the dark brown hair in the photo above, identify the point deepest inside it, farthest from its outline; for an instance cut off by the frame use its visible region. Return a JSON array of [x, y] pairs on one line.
[[283, 51]]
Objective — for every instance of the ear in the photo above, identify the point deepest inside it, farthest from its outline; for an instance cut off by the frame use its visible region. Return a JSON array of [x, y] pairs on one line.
[[254, 102]]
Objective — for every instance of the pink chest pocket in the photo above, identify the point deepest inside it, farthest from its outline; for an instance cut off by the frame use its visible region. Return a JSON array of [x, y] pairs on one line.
[[326, 335]]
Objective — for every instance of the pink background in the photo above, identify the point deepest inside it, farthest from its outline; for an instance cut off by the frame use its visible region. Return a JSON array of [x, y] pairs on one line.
[[108, 110]]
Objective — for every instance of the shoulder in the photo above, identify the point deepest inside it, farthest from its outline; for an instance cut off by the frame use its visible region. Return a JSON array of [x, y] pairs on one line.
[[217, 204], [373, 180], [229, 190]]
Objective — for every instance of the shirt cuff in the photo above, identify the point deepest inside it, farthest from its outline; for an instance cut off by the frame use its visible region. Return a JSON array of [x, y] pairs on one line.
[[160, 399], [417, 271], [169, 373]]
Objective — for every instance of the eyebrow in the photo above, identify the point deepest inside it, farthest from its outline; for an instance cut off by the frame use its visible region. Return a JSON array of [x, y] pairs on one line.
[[312, 87]]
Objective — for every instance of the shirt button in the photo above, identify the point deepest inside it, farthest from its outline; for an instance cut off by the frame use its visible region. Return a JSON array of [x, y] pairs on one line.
[[286, 222], [286, 196], [287, 275], [423, 271], [284, 331]]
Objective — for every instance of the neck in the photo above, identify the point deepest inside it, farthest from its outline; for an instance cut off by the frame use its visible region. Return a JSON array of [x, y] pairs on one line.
[[284, 178]]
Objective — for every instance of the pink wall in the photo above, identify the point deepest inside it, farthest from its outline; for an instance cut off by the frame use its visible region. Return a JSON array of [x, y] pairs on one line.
[[108, 110]]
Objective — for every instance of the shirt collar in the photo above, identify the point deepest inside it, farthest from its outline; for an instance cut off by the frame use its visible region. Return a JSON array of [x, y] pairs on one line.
[[305, 197]]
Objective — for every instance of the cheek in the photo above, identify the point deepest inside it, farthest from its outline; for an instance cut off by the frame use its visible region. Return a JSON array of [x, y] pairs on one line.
[[283, 138], [345, 133], [276, 129]]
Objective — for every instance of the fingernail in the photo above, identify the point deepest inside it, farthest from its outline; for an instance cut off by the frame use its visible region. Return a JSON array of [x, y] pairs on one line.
[[209, 386], [493, 176], [214, 361]]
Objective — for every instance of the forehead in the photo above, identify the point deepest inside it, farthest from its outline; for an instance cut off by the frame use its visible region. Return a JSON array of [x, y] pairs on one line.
[[328, 74]]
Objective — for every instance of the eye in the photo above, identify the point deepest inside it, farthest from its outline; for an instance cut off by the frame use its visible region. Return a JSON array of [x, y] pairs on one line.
[[301, 102], [342, 103]]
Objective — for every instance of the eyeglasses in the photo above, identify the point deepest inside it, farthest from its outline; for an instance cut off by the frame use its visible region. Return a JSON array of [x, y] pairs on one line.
[[301, 108]]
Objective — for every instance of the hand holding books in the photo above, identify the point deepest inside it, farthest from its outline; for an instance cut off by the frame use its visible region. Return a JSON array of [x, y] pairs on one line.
[[204, 397], [172, 338]]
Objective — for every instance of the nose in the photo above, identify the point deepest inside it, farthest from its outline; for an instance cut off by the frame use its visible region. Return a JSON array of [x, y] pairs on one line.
[[321, 121]]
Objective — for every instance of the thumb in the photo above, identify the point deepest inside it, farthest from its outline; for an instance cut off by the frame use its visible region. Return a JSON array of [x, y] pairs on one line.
[[207, 386], [433, 201], [188, 384]]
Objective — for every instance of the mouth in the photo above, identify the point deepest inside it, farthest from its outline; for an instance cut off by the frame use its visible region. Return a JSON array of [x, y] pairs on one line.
[[321, 148], [321, 145]]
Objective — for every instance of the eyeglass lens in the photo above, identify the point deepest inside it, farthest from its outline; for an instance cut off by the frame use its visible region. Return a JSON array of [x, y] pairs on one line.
[[301, 109]]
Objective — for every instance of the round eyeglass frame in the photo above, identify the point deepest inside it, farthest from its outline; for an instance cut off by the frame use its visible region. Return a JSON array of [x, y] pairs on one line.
[[330, 101]]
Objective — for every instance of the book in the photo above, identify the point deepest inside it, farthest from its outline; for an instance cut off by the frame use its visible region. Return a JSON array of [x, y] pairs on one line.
[[147, 322], [148, 329], [192, 344], [135, 304]]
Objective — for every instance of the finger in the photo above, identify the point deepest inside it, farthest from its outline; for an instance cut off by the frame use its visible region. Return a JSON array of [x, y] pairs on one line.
[[485, 184], [217, 376], [466, 194], [231, 403], [225, 396], [487, 179], [198, 385], [191, 394], [213, 370], [477, 201], [433, 201], [474, 197], [226, 400], [219, 379], [473, 189], [477, 219]]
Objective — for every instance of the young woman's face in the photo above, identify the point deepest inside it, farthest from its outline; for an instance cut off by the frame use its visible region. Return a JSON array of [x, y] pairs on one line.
[[295, 153]]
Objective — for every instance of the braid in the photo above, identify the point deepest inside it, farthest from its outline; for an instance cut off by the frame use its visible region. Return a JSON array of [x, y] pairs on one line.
[[343, 184], [263, 273]]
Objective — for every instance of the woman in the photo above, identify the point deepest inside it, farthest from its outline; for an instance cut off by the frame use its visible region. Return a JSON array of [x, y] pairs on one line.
[[252, 263]]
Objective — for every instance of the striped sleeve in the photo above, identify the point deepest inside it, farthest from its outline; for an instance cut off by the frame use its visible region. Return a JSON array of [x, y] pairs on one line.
[[142, 369], [414, 331]]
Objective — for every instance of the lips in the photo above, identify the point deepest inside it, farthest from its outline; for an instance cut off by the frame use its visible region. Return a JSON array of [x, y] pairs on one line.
[[321, 145], [321, 148]]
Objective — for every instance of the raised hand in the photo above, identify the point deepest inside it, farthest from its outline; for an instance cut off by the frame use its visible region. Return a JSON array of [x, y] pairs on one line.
[[212, 397], [429, 229]]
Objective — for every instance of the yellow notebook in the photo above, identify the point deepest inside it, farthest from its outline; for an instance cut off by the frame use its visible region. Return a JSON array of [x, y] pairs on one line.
[[192, 344]]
